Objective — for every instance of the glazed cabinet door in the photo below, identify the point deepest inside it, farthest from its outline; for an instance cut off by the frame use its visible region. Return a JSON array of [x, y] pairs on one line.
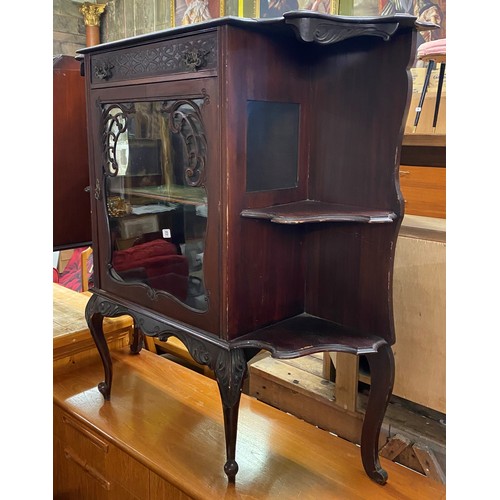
[[157, 193]]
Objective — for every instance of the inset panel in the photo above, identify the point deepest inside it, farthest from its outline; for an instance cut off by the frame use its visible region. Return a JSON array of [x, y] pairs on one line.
[[272, 145]]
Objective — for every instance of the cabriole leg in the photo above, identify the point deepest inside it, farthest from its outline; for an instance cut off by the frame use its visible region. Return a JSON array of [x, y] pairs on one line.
[[382, 381], [94, 321], [229, 372]]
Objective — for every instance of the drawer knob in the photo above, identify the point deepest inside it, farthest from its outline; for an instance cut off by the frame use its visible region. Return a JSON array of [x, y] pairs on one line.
[[195, 59]]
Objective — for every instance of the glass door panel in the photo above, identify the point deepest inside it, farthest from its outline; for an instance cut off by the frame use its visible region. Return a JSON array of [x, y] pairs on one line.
[[155, 154]]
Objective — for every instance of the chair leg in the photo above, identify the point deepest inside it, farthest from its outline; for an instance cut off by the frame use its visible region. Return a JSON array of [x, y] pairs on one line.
[[442, 70], [428, 73], [382, 381]]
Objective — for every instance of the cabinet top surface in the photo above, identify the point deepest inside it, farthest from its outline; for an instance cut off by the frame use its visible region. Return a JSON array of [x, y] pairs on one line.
[[281, 26], [69, 316]]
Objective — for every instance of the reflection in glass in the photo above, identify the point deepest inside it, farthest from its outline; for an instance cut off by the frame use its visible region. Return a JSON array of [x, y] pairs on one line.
[[155, 155]]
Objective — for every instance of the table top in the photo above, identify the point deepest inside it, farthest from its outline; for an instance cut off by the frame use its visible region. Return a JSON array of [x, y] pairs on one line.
[[68, 311], [69, 325], [169, 418]]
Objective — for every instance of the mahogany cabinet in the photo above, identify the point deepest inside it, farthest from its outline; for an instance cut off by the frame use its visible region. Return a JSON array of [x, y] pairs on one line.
[[71, 205], [245, 195]]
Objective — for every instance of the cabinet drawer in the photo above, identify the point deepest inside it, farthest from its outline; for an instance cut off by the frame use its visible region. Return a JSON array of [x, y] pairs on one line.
[[84, 443], [189, 54], [89, 459]]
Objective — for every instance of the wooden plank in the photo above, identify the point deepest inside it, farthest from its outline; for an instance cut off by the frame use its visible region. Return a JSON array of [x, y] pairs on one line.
[[294, 378], [394, 446], [426, 228], [312, 364], [64, 257], [72, 341], [419, 297], [429, 464], [176, 348], [346, 380], [329, 365], [411, 139], [307, 396]]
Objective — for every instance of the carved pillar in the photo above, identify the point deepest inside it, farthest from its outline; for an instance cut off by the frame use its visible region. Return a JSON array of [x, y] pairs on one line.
[[92, 17]]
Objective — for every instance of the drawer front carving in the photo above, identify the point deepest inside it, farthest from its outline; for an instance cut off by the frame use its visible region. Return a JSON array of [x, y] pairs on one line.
[[180, 55]]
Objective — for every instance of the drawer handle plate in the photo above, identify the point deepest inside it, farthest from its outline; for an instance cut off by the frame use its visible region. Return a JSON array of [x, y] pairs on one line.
[[103, 71], [195, 59]]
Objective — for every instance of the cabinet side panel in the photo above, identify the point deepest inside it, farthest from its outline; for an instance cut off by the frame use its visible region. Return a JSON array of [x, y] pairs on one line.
[[264, 263], [71, 203]]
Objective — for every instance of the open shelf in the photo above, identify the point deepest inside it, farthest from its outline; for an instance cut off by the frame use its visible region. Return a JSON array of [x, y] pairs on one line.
[[306, 334], [306, 211]]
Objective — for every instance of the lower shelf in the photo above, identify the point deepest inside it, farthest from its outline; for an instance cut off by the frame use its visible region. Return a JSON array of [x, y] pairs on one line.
[[306, 334]]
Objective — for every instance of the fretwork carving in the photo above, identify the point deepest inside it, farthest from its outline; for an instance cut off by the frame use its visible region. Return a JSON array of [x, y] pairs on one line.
[[176, 56]]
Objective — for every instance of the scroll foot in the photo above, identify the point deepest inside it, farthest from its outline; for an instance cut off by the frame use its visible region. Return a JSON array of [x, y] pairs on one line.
[[382, 381], [105, 390]]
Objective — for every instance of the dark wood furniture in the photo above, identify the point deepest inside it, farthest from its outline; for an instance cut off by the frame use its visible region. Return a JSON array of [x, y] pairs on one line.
[[270, 194], [71, 203]]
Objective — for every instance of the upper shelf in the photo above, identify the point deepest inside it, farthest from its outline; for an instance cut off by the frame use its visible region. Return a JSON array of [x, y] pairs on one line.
[[175, 194], [306, 211]]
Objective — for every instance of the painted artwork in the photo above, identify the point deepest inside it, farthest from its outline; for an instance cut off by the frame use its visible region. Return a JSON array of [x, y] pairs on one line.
[[196, 11], [275, 8], [425, 10]]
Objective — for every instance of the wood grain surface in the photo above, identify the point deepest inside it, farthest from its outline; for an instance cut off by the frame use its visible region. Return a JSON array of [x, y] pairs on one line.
[[169, 419]]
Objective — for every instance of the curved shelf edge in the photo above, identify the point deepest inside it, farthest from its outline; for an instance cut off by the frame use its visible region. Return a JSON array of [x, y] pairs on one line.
[[309, 211], [283, 353], [305, 334]]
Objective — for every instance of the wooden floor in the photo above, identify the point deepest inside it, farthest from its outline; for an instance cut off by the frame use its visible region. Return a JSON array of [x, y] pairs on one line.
[[170, 419]]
